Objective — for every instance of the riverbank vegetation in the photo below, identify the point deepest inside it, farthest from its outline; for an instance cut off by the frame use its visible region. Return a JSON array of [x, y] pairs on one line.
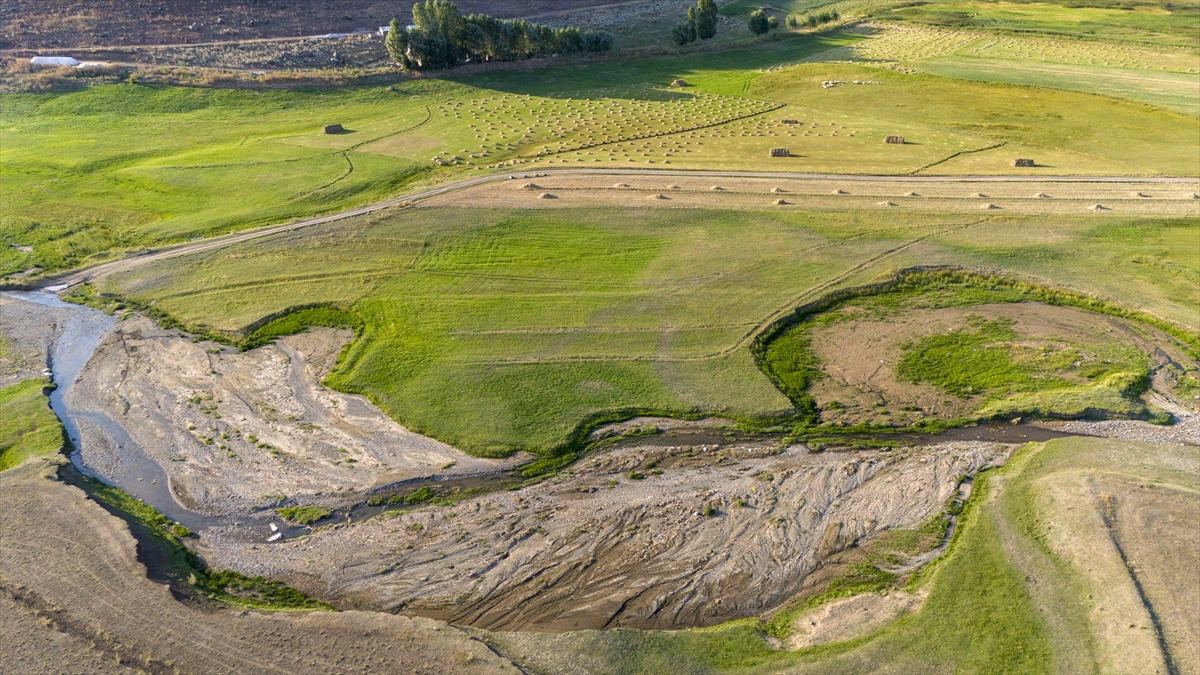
[[28, 427]]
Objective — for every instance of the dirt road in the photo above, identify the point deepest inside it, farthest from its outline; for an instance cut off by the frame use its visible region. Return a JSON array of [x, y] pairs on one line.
[[135, 260]]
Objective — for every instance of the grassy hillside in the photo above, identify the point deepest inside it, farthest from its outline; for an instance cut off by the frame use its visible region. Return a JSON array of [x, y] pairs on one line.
[[28, 428], [495, 329]]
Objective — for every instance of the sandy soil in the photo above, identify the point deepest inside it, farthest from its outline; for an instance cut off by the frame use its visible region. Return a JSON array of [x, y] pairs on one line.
[[28, 332], [273, 428], [860, 357], [597, 549], [62, 24], [852, 617], [683, 191], [73, 568]]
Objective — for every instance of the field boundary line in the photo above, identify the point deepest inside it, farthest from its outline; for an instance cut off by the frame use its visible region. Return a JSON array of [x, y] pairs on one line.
[[759, 327], [957, 154]]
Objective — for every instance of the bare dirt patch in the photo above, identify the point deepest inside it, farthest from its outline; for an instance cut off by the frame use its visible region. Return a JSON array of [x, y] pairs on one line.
[[229, 427], [852, 617], [74, 23], [27, 335], [647, 537], [860, 355]]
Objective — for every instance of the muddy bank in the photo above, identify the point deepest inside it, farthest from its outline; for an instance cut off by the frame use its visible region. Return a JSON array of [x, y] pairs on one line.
[[621, 541], [235, 432]]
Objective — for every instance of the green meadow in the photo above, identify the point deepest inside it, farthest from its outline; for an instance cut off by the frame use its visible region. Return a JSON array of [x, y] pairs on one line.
[[28, 428], [90, 173], [496, 330]]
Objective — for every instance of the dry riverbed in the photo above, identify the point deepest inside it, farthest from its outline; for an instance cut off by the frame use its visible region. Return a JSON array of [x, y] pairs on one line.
[[236, 430], [643, 537]]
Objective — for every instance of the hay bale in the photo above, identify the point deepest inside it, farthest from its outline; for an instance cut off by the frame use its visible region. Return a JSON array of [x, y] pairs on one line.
[[621, 185], [1023, 162], [531, 186], [332, 129], [910, 194], [1137, 195], [546, 195], [780, 152], [886, 204], [1041, 195], [679, 83], [781, 202], [989, 207], [674, 187], [658, 196], [1098, 207], [978, 195], [895, 140], [840, 192], [778, 190], [1191, 195], [717, 188]]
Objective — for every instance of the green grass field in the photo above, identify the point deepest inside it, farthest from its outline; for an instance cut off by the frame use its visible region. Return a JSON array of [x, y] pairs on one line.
[[496, 330], [28, 428], [119, 167]]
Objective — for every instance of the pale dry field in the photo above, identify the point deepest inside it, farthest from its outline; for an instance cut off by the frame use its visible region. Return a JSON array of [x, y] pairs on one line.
[[951, 195]]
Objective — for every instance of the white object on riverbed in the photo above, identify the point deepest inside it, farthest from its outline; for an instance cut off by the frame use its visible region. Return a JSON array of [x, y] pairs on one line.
[[274, 528], [275, 537]]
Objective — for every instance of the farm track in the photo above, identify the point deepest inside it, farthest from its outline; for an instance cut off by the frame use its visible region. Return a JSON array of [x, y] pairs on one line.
[[154, 255]]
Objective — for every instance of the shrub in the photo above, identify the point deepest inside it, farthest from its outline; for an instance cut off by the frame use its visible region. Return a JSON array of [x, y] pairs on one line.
[[304, 515]]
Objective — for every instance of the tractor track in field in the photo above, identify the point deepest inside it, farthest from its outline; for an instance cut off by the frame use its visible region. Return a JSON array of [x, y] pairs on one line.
[[131, 261]]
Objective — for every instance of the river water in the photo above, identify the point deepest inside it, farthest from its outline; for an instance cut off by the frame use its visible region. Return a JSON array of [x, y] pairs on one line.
[[135, 472]]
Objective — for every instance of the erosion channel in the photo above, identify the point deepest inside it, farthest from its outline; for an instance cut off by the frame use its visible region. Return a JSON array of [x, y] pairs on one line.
[[690, 525]]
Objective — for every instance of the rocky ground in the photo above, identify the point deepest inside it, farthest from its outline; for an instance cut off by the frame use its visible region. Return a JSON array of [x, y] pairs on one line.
[[61, 24], [716, 535], [27, 334], [231, 428]]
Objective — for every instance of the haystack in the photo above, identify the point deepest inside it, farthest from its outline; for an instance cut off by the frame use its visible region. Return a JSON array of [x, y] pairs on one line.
[[546, 195], [1023, 162], [1098, 207], [717, 188], [658, 196], [332, 129], [886, 204], [679, 83], [840, 192], [897, 140], [989, 207], [1041, 195], [780, 152], [621, 185], [781, 202], [910, 194], [978, 195], [531, 186], [778, 190]]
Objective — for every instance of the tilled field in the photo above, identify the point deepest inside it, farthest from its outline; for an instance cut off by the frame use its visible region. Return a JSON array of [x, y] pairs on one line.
[[646, 537]]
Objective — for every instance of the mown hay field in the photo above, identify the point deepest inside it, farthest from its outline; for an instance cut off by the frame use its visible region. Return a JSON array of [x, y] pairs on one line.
[[496, 329], [125, 166]]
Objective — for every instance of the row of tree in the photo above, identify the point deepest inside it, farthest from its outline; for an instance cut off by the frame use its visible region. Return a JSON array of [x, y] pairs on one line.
[[812, 20], [760, 22], [701, 24], [441, 37]]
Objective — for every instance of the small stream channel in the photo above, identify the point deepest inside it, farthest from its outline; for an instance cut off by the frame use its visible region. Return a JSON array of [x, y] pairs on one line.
[[142, 477]]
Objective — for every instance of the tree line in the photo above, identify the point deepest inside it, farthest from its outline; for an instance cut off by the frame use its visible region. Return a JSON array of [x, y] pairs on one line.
[[441, 37]]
